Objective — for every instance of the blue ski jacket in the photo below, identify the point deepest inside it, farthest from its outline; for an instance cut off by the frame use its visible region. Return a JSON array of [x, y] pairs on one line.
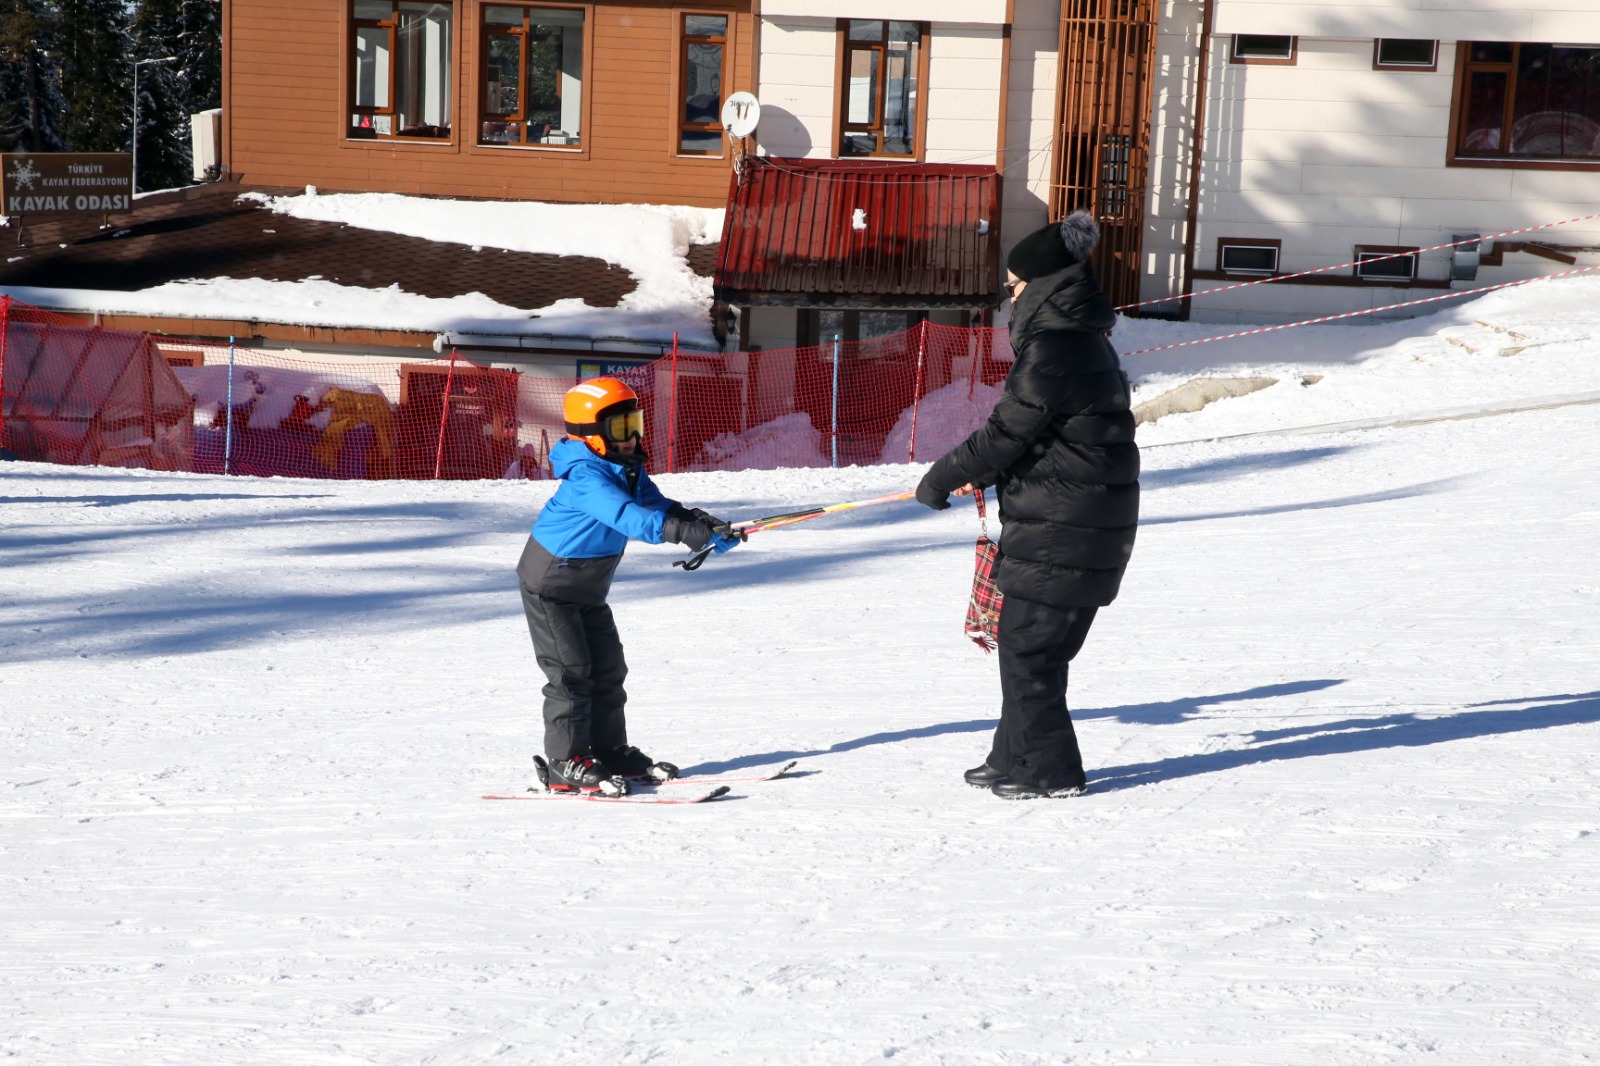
[[594, 513]]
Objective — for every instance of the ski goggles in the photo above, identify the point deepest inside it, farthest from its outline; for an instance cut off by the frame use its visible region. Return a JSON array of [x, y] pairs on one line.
[[624, 425]]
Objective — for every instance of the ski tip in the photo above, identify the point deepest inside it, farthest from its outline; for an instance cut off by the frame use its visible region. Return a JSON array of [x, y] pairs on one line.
[[717, 793]]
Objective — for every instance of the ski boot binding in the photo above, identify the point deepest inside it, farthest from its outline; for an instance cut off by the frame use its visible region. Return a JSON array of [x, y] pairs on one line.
[[579, 774], [635, 765]]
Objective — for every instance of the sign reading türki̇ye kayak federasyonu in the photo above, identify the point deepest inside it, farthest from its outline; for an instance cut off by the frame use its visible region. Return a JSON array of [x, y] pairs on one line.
[[65, 183]]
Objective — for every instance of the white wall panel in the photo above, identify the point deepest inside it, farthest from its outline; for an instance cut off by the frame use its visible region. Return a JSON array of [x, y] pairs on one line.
[[796, 89], [991, 12], [1561, 21]]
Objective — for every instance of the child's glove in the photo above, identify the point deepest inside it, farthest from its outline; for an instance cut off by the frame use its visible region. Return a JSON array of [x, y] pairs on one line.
[[678, 510], [695, 533], [725, 542]]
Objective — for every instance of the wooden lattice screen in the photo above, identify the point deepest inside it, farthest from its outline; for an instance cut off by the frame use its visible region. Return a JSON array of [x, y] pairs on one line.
[[1102, 151]]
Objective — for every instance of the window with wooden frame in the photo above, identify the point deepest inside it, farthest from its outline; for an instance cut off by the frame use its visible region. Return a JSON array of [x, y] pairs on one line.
[[1261, 48], [400, 69], [702, 64], [1254, 256], [1519, 102], [819, 326], [1377, 262], [531, 86], [883, 69], [1402, 53]]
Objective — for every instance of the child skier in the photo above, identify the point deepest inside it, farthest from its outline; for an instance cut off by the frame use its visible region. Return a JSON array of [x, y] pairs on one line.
[[605, 500]]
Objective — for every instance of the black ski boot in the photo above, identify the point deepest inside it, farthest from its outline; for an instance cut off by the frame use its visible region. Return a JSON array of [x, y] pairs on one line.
[[983, 776], [633, 763], [579, 774], [1012, 789]]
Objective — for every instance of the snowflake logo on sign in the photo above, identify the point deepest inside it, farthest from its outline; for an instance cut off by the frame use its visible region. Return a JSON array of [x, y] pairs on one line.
[[23, 173]]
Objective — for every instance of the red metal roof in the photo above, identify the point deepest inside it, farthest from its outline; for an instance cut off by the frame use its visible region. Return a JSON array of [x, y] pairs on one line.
[[801, 231]]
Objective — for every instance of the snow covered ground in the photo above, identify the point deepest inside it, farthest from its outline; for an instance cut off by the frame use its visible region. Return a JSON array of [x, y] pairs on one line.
[[1342, 729]]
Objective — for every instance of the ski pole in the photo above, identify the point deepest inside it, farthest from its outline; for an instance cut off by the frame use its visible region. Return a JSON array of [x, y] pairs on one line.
[[757, 525]]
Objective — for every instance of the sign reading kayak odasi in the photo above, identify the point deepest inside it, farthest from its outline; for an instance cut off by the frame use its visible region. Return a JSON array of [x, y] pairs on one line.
[[65, 183]]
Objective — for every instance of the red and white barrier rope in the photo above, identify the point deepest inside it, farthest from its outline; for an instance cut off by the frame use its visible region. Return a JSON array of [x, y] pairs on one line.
[[1352, 263], [1369, 311]]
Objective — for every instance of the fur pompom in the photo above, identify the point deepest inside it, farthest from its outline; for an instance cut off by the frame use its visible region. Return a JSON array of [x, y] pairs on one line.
[[1079, 234]]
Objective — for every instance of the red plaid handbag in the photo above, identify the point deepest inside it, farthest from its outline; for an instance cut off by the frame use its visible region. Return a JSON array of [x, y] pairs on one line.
[[983, 607]]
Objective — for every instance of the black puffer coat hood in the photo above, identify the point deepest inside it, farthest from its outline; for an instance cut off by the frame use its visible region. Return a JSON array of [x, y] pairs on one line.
[[1059, 446]]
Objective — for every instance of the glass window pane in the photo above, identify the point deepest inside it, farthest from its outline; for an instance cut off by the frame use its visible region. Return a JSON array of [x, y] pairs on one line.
[[830, 324], [1556, 113], [555, 75], [374, 9], [900, 101], [876, 324], [701, 142], [1248, 259], [705, 25], [422, 69], [905, 32], [503, 75], [372, 66], [1400, 52], [1489, 52], [555, 16], [1373, 265], [702, 78], [1486, 104], [866, 30], [858, 144], [502, 16], [861, 103], [1261, 46]]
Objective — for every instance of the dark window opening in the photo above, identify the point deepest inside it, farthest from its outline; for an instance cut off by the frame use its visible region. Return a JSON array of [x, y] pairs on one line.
[[1386, 264], [1260, 48], [1406, 52], [1248, 259]]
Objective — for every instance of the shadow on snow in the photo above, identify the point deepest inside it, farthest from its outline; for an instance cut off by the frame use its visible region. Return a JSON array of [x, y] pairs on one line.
[[1358, 735]]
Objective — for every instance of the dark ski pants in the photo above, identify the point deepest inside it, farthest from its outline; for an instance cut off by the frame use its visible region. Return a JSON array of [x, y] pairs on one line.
[[1035, 742], [581, 654]]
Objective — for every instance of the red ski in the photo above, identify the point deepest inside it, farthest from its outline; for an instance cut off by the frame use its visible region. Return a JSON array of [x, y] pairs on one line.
[[697, 779], [601, 797]]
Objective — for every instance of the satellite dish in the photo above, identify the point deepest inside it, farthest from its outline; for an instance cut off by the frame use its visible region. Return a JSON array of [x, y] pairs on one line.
[[740, 113]]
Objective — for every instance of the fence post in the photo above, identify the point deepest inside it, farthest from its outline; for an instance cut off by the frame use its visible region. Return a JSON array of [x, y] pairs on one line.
[[835, 430], [444, 412], [5, 330], [227, 433], [916, 395], [672, 404]]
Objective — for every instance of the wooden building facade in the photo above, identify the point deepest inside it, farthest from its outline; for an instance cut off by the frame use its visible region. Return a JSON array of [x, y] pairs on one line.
[[569, 102]]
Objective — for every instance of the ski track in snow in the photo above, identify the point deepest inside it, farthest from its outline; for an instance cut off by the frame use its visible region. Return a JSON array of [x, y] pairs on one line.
[[1341, 728]]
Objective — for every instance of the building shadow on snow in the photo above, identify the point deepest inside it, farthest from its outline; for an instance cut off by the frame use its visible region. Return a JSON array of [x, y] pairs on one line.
[[1147, 713], [1169, 712], [1355, 735], [1426, 488], [1213, 471]]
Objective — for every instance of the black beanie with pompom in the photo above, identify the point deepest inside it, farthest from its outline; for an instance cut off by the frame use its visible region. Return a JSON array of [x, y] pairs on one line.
[[1054, 247]]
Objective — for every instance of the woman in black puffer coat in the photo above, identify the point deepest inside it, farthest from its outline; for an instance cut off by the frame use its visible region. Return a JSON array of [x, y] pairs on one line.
[[1059, 449]]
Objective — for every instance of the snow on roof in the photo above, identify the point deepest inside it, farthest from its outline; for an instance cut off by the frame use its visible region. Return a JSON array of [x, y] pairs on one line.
[[650, 242]]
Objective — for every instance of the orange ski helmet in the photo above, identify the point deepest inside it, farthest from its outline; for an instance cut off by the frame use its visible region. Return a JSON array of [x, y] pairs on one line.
[[602, 412]]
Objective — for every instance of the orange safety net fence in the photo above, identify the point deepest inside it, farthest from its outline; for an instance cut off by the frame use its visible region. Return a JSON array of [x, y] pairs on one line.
[[82, 394]]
